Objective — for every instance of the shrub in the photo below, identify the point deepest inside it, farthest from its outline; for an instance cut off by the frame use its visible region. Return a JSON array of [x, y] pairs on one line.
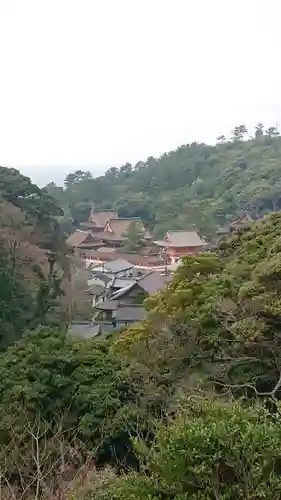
[[209, 451], [56, 391]]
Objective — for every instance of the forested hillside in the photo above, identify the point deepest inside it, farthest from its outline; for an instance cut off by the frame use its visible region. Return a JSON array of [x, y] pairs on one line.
[[184, 404], [196, 184], [33, 257], [210, 355]]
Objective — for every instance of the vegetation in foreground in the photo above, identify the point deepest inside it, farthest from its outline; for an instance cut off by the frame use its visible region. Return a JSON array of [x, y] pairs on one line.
[[34, 260], [182, 405], [208, 451]]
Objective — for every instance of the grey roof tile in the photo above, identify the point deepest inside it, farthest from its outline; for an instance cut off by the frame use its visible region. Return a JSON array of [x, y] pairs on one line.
[[117, 266], [153, 282], [107, 305], [129, 313]]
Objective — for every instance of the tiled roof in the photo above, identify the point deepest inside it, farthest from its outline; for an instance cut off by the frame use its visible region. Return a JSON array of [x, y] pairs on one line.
[[129, 313], [99, 274], [145, 260], [119, 227], [153, 282], [181, 239], [108, 305], [90, 243], [122, 282], [123, 291], [99, 257], [239, 222], [117, 266], [100, 217], [96, 290], [77, 238], [243, 219]]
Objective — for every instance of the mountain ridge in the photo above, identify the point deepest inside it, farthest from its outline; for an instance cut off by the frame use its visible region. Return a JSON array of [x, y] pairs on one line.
[[195, 185]]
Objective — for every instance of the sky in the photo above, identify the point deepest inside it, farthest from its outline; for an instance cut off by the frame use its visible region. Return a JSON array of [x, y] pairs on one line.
[[94, 83]]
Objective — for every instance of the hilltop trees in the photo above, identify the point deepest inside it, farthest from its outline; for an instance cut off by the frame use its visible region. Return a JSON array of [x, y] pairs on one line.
[[196, 184], [221, 139], [272, 132], [239, 132], [259, 130], [18, 190]]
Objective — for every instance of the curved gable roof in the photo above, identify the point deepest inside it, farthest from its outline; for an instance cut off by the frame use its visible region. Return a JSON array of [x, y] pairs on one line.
[[76, 238], [181, 239], [119, 227], [100, 217]]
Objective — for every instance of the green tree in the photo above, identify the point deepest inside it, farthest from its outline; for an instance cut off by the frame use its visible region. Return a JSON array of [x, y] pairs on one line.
[[49, 374], [208, 451], [18, 190], [56, 192], [125, 170], [259, 130], [272, 132], [112, 171], [16, 297], [239, 132], [164, 190], [76, 178], [20, 260], [134, 238], [221, 139]]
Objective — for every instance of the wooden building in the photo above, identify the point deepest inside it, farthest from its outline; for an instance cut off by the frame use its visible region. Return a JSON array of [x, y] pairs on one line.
[[240, 222], [98, 218], [102, 239], [178, 243]]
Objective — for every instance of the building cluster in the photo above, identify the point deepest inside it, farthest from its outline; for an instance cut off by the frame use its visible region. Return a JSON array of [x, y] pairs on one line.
[[102, 239], [117, 290], [118, 281]]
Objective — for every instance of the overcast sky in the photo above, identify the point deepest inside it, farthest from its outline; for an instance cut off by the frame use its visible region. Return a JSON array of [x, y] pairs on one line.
[[94, 83]]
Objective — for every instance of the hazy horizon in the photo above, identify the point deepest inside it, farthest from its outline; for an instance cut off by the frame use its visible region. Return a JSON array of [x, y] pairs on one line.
[[42, 174], [93, 84]]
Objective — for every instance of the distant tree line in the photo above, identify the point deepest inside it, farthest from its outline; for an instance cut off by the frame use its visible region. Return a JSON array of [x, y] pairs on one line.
[[240, 132], [197, 185]]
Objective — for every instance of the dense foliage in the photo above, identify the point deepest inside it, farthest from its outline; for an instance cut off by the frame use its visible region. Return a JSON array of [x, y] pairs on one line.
[[19, 191], [77, 382], [184, 404], [209, 451], [213, 334], [222, 309], [33, 256], [196, 184]]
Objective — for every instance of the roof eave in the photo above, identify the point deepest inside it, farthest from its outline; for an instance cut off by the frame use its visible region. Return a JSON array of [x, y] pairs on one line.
[[174, 245]]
